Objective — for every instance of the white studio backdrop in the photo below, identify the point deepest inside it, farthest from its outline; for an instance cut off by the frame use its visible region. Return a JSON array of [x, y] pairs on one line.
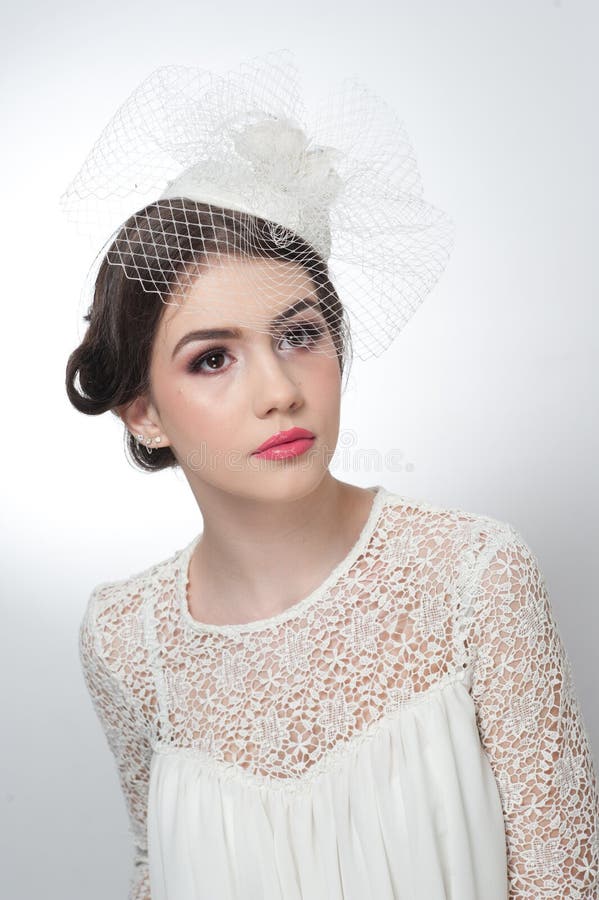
[[487, 400]]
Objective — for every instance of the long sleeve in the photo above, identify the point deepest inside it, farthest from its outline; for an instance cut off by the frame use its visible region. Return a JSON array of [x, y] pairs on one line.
[[127, 740], [532, 729]]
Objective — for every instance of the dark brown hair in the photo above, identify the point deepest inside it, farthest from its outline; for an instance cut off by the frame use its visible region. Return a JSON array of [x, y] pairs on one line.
[[112, 362]]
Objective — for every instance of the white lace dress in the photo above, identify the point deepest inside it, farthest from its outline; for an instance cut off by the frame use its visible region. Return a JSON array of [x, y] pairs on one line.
[[408, 731]]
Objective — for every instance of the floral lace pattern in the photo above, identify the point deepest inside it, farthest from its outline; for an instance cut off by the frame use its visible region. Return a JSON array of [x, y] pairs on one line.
[[426, 596]]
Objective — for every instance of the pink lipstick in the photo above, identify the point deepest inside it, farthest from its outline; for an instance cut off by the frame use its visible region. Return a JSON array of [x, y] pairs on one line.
[[284, 444]]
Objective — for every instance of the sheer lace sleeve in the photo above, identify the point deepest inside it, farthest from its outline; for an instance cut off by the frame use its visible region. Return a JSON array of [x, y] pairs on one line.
[[532, 729], [126, 738]]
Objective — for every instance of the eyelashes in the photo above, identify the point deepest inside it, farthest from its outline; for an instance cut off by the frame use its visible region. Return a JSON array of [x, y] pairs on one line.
[[312, 332]]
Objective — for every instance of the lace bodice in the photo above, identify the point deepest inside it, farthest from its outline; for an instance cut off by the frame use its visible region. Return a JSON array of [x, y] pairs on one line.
[[425, 596]]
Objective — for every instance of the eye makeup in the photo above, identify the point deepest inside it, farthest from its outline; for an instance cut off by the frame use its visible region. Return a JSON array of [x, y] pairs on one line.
[[311, 332]]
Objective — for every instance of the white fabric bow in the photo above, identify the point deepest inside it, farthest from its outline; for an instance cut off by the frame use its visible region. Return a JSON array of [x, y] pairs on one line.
[[272, 173]]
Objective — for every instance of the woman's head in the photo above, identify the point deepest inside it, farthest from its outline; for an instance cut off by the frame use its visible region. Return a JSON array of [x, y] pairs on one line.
[[263, 383]]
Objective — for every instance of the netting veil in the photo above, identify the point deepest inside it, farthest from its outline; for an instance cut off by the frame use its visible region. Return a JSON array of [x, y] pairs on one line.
[[224, 195]]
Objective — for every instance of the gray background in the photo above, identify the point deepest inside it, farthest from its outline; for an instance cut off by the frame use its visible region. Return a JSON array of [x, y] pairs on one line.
[[488, 397]]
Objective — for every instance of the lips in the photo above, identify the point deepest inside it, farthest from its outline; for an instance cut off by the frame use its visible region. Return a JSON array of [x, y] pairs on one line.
[[284, 437]]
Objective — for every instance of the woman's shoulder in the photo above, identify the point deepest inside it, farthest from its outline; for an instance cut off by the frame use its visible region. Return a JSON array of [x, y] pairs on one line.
[[113, 590], [115, 608], [443, 536], [416, 512], [462, 547]]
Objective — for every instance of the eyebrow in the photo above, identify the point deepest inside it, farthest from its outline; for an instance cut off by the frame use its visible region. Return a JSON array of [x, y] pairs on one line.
[[219, 333]]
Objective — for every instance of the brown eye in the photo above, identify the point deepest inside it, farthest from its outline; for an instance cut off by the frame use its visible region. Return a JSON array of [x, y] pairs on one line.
[[209, 357]]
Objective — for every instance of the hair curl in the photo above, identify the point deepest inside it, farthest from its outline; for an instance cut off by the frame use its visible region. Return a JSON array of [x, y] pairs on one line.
[[112, 362]]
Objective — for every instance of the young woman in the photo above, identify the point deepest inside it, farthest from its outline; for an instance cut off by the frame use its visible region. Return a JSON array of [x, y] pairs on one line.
[[329, 692]]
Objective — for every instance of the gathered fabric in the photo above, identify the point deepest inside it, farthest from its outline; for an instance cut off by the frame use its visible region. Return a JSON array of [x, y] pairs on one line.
[[409, 809]]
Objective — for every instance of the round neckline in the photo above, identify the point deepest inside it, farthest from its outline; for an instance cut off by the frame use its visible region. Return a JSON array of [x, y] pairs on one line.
[[296, 609]]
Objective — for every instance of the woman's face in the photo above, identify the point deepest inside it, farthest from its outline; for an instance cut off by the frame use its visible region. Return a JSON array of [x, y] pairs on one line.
[[216, 400]]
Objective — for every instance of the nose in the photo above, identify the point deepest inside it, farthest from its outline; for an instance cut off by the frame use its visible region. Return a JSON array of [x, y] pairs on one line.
[[275, 386]]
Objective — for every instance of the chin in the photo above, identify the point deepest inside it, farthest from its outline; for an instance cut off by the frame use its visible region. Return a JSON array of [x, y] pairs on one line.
[[279, 482]]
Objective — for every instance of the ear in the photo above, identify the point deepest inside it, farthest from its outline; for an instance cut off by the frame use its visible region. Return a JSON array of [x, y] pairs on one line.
[[140, 416]]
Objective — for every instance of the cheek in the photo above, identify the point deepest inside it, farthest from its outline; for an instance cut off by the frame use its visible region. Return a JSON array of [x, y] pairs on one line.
[[212, 423], [196, 415], [323, 381]]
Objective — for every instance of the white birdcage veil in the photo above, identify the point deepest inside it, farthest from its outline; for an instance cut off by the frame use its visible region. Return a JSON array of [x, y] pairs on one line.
[[222, 170]]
